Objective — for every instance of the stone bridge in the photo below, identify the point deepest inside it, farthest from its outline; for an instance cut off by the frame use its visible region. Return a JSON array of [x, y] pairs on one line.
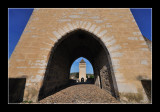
[[54, 38]]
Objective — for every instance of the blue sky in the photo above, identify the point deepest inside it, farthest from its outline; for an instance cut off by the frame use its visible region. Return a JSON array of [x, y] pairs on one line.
[[75, 66], [18, 19], [143, 20]]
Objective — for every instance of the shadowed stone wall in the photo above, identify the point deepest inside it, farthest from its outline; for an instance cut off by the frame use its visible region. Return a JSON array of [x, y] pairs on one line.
[[149, 43], [16, 89], [147, 87]]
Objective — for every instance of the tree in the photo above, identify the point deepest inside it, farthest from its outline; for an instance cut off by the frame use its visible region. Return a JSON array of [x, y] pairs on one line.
[[77, 75], [92, 76]]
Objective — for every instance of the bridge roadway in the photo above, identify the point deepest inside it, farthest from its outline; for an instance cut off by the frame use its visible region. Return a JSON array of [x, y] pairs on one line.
[[80, 94]]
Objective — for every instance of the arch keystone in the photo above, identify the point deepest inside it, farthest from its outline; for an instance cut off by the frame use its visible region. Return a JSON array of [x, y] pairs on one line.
[[83, 25], [77, 23], [80, 23], [74, 26]]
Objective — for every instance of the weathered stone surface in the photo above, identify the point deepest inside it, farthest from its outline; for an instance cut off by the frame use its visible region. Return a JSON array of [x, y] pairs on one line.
[[54, 38], [86, 94], [82, 71]]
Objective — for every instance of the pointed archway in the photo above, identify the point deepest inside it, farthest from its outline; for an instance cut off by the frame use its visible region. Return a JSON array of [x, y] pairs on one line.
[[78, 43]]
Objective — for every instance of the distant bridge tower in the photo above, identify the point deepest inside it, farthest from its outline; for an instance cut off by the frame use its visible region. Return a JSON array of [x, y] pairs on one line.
[[82, 71]]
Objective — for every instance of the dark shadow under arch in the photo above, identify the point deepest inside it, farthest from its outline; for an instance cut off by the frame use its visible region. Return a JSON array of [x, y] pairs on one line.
[[78, 43]]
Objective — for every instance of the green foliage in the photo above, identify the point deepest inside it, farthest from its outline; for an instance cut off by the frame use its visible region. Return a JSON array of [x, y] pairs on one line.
[[27, 102], [76, 74], [92, 76]]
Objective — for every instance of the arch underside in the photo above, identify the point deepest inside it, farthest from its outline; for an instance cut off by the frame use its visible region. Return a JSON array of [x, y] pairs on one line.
[[78, 43]]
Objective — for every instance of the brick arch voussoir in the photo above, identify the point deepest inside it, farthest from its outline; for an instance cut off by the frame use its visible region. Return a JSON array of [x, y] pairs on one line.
[[108, 41]]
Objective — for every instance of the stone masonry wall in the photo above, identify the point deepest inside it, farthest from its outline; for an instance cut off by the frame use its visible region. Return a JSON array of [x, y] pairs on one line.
[[117, 29]]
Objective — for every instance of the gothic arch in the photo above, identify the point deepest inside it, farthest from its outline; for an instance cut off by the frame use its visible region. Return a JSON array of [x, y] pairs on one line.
[[78, 42], [108, 41]]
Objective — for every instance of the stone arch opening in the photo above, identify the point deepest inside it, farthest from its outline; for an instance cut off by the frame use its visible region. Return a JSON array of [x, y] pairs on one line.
[[78, 43], [75, 77]]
